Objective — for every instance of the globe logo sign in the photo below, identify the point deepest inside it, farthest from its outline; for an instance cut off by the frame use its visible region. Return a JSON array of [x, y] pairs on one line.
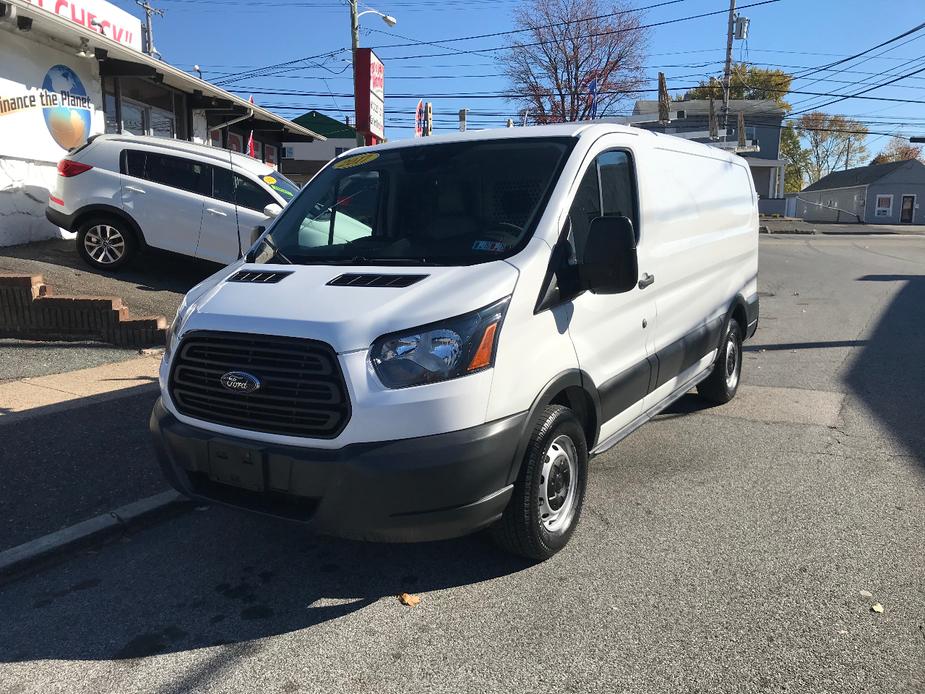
[[68, 121]]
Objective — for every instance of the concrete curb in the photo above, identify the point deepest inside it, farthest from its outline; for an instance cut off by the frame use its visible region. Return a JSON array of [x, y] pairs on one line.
[[16, 560], [768, 230]]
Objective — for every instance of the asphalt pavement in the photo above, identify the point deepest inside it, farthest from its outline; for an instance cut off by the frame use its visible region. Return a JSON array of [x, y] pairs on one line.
[[729, 549], [151, 285]]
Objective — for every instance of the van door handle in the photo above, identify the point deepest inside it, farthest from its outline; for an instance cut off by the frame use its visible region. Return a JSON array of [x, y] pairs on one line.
[[646, 280], [212, 210], [134, 189]]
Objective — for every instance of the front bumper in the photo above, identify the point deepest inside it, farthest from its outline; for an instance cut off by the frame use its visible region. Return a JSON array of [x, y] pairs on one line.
[[425, 488]]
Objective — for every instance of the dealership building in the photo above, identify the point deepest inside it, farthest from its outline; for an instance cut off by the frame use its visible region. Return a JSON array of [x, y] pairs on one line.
[[71, 69]]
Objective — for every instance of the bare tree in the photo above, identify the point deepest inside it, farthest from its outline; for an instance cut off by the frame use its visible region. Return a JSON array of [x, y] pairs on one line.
[[568, 45], [834, 142], [899, 149]]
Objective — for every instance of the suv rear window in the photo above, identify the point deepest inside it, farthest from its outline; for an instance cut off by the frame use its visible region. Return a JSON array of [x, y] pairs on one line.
[[176, 172]]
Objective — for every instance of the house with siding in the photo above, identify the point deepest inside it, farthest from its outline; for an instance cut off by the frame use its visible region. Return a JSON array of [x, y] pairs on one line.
[[302, 160], [878, 194]]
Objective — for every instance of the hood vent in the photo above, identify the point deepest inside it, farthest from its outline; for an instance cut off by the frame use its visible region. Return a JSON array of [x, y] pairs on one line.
[[374, 280], [258, 277]]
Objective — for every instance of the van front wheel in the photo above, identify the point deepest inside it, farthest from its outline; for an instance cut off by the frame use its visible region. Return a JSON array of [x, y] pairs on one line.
[[550, 489], [721, 385]]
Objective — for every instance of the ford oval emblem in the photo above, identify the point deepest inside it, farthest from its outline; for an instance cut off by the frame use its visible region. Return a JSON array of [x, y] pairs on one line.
[[240, 382]]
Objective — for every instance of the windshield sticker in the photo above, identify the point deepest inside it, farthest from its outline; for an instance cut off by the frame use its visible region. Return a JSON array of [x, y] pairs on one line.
[[357, 160], [494, 246], [282, 191], [269, 179]]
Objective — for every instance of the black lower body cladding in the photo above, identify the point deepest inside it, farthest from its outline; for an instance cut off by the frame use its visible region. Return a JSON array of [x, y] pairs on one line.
[[427, 488]]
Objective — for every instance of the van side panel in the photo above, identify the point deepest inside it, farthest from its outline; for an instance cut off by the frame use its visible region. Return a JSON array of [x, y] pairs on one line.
[[700, 213]]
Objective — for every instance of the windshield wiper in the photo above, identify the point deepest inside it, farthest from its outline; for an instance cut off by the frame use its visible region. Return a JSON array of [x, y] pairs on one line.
[[360, 260]]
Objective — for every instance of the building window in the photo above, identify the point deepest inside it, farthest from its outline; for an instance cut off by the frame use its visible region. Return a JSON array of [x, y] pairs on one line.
[[235, 142], [339, 150], [270, 155], [884, 206], [215, 137], [288, 153]]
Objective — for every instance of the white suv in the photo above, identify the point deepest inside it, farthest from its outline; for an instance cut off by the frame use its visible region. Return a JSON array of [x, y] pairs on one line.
[[121, 194]]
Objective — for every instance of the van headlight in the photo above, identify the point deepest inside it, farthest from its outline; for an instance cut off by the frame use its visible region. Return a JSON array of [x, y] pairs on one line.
[[173, 330], [439, 351]]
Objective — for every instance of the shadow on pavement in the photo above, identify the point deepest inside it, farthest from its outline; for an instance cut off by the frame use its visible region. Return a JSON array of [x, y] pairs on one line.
[[152, 270], [66, 463], [887, 375], [220, 576]]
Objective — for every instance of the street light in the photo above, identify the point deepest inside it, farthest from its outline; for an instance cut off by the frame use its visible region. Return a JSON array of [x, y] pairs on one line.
[[355, 35], [198, 70]]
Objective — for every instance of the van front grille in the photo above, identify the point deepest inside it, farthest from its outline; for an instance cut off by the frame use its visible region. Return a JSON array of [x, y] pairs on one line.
[[300, 388]]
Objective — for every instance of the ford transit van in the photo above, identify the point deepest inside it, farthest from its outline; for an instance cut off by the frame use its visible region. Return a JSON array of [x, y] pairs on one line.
[[435, 336]]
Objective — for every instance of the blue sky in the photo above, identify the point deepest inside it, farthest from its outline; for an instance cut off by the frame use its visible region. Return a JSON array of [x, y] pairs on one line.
[[232, 36]]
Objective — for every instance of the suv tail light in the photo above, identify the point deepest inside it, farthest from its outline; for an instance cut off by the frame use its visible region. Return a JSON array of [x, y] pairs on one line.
[[69, 167]]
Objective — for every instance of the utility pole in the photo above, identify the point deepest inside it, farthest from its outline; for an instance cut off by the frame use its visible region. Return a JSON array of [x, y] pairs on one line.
[[727, 71], [355, 43], [149, 30], [664, 101]]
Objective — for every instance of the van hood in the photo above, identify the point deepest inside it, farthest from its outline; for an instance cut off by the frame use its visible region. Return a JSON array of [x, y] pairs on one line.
[[349, 318]]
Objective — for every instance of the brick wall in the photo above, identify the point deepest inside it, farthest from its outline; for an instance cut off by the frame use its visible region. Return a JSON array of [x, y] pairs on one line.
[[30, 310]]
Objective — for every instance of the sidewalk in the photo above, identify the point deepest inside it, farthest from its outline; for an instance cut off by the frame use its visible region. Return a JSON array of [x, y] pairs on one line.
[[28, 397], [798, 226]]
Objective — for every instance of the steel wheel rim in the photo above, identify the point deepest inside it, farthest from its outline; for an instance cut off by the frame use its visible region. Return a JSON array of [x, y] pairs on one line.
[[104, 244], [732, 361], [558, 495]]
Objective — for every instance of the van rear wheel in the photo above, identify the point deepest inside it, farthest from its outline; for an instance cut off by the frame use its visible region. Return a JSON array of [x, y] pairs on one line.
[[105, 243], [721, 385], [549, 492]]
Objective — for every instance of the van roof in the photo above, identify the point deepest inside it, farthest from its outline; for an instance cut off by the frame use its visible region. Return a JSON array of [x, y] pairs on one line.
[[242, 161], [590, 129], [556, 130]]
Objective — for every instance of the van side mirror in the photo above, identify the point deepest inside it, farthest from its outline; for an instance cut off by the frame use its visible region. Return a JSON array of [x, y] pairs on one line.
[[272, 210], [609, 265]]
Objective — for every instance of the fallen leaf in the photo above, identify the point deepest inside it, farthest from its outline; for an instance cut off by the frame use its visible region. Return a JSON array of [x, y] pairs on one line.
[[412, 600], [877, 607], [866, 594]]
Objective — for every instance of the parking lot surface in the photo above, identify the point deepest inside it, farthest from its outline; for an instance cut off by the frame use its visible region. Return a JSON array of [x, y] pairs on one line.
[[730, 549]]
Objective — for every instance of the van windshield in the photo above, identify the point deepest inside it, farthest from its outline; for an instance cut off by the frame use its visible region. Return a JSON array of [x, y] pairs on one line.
[[445, 204]]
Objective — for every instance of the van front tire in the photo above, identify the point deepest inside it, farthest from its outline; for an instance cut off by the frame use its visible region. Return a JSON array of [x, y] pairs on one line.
[[550, 489], [106, 243], [723, 382]]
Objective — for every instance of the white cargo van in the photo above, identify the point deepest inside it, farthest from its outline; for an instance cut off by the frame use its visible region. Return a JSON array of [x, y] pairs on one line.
[[435, 336]]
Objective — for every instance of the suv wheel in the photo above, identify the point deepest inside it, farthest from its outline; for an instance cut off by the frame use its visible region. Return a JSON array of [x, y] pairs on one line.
[[105, 243], [549, 492]]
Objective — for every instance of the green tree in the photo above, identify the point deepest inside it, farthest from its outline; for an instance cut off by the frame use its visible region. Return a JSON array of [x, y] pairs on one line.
[[748, 82], [797, 160]]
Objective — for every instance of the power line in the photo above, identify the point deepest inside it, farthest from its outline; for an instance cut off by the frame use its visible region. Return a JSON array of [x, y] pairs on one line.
[[611, 32], [525, 45]]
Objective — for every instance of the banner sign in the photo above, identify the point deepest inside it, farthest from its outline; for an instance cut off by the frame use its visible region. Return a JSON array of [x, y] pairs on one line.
[[59, 105], [99, 16], [370, 102]]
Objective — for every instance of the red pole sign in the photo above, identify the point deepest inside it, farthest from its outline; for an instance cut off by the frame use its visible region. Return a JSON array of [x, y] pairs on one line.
[[369, 78]]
